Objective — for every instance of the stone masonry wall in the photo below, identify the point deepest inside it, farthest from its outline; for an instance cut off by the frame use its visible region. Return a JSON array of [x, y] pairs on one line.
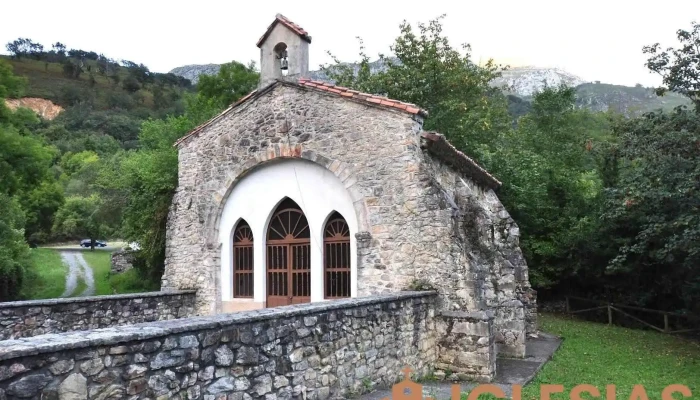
[[370, 149], [474, 241], [418, 219], [466, 345], [38, 317], [327, 350], [122, 261]]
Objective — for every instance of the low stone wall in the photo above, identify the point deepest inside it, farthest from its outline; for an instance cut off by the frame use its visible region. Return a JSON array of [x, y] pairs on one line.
[[38, 317], [326, 350], [467, 346], [122, 261]]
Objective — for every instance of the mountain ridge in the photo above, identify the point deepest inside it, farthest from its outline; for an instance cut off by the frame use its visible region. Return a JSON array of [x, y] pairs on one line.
[[523, 82]]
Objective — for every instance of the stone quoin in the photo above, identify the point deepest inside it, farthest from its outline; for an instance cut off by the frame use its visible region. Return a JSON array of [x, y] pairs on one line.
[[304, 191]]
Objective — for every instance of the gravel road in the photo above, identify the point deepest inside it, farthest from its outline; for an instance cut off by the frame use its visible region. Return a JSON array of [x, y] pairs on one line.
[[77, 267]]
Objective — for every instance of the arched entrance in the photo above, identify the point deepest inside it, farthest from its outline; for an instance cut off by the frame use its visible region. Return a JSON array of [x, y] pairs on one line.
[[288, 256]]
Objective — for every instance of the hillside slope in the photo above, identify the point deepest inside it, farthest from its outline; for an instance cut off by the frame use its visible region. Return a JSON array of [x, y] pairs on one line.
[[48, 80]]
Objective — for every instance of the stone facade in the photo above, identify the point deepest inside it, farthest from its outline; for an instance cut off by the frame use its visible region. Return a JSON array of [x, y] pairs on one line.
[[420, 220], [466, 345], [328, 350], [122, 261], [38, 317], [479, 235]]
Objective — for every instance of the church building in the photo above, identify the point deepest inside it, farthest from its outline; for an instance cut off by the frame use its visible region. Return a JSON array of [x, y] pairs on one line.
[[303, 191]]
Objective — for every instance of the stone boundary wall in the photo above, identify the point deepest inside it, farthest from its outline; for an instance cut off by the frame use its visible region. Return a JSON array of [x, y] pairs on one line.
[[326, 350], [38, 317], [122, 261]]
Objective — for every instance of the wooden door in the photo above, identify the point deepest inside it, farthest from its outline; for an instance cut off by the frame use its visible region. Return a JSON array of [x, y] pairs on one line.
[[288, 257]]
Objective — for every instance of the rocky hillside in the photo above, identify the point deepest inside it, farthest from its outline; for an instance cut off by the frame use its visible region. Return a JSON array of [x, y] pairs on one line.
[[526, 81], [521, 83], [625, 99], [46, 109], [192, 72]]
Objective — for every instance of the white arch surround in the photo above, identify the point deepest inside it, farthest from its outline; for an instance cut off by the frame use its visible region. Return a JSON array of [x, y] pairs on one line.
[[256, 196]]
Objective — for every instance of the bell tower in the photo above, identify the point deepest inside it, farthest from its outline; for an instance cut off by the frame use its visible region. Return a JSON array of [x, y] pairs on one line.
[[284, 50]]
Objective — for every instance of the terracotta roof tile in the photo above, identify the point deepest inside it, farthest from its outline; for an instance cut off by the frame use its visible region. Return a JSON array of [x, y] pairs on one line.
[[364, 97], [281, 19], [436, 144]]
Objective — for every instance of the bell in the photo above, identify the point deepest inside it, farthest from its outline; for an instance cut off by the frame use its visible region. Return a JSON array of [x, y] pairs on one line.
[[284, 64]]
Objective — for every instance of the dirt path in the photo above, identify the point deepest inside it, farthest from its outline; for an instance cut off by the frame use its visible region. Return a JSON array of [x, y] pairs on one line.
[[77, 267]]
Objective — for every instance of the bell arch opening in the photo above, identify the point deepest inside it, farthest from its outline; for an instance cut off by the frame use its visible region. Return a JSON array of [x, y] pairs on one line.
[[282, 58]]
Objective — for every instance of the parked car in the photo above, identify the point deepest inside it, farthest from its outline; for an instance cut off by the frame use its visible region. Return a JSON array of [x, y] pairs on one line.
[[98, 243]]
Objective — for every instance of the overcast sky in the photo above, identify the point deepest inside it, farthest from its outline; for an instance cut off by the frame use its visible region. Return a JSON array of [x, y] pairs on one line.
[[594, 39]]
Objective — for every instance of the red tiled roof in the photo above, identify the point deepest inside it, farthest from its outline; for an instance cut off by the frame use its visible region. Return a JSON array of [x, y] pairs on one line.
[[436, 144], [279, 18], [364, 97]]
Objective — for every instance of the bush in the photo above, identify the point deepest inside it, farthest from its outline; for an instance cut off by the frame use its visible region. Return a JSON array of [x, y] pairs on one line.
[[14, 252], [131, 85]]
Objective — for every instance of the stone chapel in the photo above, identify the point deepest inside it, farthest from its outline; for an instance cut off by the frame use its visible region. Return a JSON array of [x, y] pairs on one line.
[[303, 191]]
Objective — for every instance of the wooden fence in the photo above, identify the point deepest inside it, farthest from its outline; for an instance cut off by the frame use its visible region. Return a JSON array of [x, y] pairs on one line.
[[612, 307]]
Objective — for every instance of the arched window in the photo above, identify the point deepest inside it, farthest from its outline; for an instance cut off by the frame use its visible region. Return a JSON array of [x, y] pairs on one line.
[[243, 261], [336, 254]]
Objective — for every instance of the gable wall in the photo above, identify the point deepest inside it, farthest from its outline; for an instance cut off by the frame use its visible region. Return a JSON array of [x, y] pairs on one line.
[[377, 148]]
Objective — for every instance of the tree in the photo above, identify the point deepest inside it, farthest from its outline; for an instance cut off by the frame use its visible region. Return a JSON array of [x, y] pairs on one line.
[[679, 67], [79, 217], [59, 48], [551, 186], [71, 69], [10, 85], [14, 252], [131, 84], [24, 161], [652, 212], [426, 70], [19, 47], [233, 81], [144, 181]]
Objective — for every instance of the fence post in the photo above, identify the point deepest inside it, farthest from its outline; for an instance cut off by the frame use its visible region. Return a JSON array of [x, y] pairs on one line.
[[609, 314], [568, 307], [666, 327]]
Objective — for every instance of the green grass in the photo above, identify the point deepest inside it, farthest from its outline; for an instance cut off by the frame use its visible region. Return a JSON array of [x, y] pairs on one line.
[[600, 355], [105, 283], [100, 261], [131, 282], [47, 277]]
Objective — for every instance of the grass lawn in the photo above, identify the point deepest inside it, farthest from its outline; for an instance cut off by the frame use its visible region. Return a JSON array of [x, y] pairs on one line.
[[100, 261], [47, 278], [127, 282], [601, 355]]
